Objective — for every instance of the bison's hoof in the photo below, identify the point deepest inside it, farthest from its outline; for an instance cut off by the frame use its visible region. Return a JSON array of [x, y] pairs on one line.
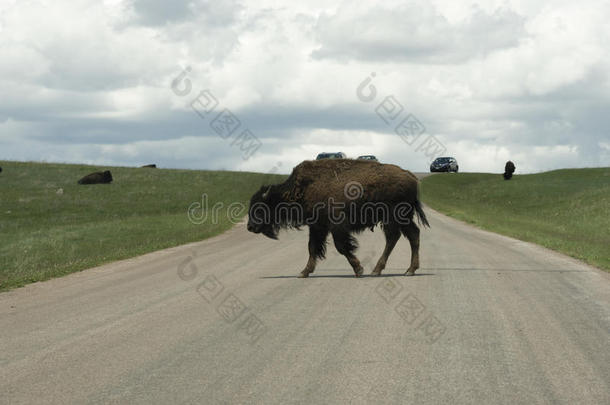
[[303, 274], [359, 272], [376, 273], [410, 273]]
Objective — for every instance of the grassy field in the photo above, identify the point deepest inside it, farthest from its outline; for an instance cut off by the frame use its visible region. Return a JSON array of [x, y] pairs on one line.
[[565, 210], [47, 233]]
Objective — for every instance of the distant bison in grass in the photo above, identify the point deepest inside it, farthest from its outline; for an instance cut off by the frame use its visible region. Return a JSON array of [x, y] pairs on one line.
[[342, 197], [152, 166], [509, 169], [0, 170], [97, 178]]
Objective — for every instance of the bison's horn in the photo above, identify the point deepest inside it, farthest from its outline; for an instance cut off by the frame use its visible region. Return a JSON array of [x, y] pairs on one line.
[[266, 193]]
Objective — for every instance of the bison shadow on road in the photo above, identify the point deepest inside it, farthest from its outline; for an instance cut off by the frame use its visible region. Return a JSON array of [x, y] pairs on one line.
[[348, 275]]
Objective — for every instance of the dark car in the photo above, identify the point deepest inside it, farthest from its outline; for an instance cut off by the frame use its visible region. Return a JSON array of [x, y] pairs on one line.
[[444, 164], [368, 157], [331, 155]]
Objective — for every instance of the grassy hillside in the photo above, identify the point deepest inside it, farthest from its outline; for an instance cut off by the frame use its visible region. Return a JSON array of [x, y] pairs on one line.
[[565, 210], [45, 233]]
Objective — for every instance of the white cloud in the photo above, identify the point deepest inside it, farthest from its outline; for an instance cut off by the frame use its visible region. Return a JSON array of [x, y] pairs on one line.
[[494, 80], [415, 32]]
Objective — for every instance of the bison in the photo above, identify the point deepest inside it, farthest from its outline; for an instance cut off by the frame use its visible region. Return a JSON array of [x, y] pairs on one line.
[[151, 166], [342, 197], [509, 169], [97, 178]]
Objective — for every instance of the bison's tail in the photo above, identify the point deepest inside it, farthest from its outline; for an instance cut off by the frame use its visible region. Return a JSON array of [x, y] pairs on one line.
[[420, 214]]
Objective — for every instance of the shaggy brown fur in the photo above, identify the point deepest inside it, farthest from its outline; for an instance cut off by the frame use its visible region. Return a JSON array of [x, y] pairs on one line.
[[342, 197], [509, 169], [97, 178]]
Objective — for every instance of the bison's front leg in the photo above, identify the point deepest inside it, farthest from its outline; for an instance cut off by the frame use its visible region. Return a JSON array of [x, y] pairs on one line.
[[317, 248], [346, 244]]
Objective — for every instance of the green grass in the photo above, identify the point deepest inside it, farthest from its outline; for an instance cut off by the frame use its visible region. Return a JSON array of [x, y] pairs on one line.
[[565, 210], [44, 234]]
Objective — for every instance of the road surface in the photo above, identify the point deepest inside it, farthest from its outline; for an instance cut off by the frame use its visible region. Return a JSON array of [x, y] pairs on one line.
[[487, 319]]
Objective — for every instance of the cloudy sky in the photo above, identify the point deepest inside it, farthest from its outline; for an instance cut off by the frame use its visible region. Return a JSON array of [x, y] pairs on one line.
[[262, 85]]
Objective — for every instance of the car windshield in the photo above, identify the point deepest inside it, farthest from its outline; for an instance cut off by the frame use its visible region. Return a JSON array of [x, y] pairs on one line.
[[442, 160]]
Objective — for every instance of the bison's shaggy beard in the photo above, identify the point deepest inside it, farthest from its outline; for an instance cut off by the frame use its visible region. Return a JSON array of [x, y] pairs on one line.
[[267, 215], [270, 231]]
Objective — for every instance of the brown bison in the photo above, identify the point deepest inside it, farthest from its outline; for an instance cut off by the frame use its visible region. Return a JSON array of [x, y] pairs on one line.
[[342, 197], [152, 166], [509, 169], [97, 178]]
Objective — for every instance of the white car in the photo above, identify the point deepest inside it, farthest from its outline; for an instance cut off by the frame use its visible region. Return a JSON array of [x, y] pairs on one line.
[[368, 157]]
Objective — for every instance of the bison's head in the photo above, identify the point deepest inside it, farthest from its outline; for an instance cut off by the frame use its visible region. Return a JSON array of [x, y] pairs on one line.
[[260, 214], [107, 176]]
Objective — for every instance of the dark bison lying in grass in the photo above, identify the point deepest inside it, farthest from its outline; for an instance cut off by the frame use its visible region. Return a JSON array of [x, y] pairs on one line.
[[342, 197], [509, 169], [152, 166], [97, 178]]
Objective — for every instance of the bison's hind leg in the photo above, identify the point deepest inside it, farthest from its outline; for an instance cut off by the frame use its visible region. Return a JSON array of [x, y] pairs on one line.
[[346, 244], [411, 232], [392, 234]]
